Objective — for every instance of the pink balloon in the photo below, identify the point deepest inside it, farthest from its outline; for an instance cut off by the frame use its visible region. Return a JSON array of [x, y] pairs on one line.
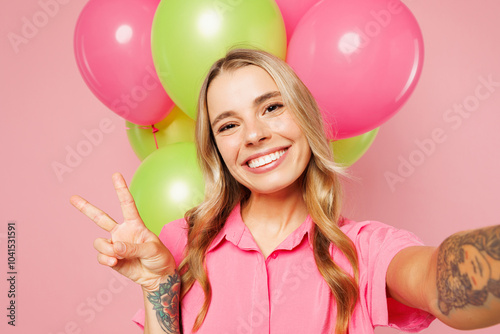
[[113, 52], [361, 59], [292, 11]]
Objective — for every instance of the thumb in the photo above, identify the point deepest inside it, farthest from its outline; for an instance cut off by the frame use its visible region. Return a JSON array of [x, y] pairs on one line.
[[129, 250]]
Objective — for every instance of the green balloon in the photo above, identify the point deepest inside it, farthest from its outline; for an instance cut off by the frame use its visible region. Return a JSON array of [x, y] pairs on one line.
[[348, 151], [188, 36], [174, 128], [167, 184]]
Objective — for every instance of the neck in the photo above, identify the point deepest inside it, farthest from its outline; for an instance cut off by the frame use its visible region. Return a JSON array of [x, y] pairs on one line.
[[277, 213]]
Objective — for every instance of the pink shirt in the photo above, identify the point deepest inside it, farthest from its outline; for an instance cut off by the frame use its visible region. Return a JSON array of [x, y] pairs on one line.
[[285, 293]]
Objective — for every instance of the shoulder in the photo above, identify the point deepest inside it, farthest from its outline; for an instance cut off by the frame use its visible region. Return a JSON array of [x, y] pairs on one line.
[[377, 244], [375, 232], [374, 239], [174, 236], [174, 227]]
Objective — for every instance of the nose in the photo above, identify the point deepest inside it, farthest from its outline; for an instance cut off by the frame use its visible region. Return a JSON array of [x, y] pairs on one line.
[[256, 132]]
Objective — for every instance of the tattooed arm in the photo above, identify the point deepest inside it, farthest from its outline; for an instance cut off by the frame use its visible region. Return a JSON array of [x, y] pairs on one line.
[[459, 282], [162, 307], [137, 253]]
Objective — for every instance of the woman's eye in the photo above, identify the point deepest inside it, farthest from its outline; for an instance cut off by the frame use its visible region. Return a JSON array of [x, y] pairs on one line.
[[226, 127], [273, 107]]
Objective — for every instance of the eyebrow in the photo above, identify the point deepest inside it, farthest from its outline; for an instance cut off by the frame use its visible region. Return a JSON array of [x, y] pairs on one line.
[[258, 100], [265, 97]]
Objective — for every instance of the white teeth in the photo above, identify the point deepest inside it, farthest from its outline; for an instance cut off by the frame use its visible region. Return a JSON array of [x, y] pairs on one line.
[[261, 161]]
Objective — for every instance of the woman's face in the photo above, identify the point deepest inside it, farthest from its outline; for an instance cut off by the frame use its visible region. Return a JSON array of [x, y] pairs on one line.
[[476, 267], [257, 136]]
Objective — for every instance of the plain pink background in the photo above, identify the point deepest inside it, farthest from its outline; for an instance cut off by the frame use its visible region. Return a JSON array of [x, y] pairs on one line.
[[47, 105]]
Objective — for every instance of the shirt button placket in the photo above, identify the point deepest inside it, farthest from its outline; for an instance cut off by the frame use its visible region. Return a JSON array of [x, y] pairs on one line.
[[259, 317]]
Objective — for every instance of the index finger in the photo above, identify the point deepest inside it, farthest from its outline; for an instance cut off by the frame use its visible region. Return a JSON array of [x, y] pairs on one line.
[[100, 217], [127, 202]]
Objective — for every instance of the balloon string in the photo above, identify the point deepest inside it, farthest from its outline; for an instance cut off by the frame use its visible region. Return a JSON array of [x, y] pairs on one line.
[[155, 130]]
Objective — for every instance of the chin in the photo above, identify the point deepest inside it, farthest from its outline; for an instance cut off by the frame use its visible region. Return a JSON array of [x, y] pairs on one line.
[[270, 188]]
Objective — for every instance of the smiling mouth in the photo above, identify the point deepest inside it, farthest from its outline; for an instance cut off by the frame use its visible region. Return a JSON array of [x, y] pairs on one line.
[[266, 159]]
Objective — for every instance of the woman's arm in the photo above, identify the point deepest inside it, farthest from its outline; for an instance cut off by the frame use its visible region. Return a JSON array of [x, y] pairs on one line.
[[459, 282], [162, 307], [138, 254]]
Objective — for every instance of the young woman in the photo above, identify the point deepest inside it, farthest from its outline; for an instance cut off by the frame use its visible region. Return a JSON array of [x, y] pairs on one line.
[[267, 251]]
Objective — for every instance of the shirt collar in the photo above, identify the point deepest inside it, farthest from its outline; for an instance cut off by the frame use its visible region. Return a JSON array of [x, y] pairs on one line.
[[233, 229], [236, 232]]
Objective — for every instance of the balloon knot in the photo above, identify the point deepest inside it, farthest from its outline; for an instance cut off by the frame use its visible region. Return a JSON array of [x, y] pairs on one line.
[[155, 130]]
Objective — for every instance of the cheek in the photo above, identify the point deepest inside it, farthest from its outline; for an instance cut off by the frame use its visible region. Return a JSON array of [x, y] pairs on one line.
[[278, 125], [486, 268], [287, 127], [227, 149]]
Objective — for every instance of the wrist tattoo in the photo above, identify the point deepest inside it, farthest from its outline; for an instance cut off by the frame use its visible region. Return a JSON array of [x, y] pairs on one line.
[[165, 302], [468, 269]]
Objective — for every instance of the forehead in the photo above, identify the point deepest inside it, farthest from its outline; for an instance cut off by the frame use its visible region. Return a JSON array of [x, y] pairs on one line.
[[233, 90]]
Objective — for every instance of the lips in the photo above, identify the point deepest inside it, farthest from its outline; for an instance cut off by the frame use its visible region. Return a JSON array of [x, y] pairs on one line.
[[266, 159]]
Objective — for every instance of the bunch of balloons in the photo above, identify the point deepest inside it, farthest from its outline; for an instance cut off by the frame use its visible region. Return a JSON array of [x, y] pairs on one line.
[[146, 61]]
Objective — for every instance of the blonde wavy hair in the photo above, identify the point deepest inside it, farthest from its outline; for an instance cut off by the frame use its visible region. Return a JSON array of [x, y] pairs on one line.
[[320, 184]]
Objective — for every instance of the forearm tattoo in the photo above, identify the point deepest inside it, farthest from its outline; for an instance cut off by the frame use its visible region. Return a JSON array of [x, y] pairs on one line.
[[468, 269], [165, 302]]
